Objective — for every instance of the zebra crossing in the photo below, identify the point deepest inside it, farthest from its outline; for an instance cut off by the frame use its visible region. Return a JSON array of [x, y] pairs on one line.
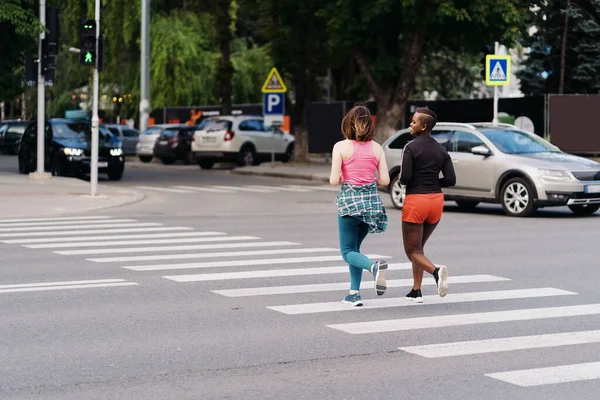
[[182, 255], [223, 189]]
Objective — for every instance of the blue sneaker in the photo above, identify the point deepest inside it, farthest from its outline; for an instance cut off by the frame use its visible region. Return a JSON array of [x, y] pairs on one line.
[[353, 299], [379, 271]]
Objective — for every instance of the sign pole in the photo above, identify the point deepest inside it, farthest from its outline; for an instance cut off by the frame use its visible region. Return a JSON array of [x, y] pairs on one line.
[[95, 119], [41, 97], [496, 93]]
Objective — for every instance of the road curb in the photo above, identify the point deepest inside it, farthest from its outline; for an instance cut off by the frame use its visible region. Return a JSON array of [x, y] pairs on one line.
[[275, 174]]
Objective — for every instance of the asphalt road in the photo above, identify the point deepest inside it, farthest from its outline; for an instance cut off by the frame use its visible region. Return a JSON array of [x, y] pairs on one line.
[[234, 293]]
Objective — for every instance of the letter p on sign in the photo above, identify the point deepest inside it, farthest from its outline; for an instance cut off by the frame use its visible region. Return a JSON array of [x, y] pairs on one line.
[[273, 104]]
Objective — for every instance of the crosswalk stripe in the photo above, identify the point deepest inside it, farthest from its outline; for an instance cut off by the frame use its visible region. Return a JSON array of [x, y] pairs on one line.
[[279, 188], [320, 187], [53, 219], [242, 189], [550, 375], [170, 248], [163, 189], [77, 227], [178, 238], [246, 263], [210, 255], [61, 283], [331, 287], [313, 308], [60, 223], [440, 321], [440, 350], [93, 232], [202, 189], [67, 287], [221, 276]]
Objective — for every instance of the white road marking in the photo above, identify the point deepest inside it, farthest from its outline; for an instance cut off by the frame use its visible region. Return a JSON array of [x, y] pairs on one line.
[[550, 375], [67, 287], [440, 321], [313, 308], [53, 219], [60, 223], [241, 189], [246, 263], [77, 227], [60, 283], [135, 242], [440, 350], [163, 189], [222, 276], [211, 255], [93, 232], [170, 248], [202, 189], [320, 187], [332, 287], [74, 240], [279, 188]]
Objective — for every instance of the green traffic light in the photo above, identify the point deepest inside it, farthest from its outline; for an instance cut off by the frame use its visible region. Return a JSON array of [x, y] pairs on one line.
[[88, 57]]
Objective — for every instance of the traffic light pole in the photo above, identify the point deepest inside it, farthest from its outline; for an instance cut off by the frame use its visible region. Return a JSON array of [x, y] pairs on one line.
[[95, 119], [145, 67], [41, 93]]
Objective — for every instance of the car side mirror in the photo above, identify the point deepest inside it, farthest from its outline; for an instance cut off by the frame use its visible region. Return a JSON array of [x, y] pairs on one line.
[[481, 151]]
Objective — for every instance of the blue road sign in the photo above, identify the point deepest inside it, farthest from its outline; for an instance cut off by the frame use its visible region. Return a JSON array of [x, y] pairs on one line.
[[497, 70], [273, 104]]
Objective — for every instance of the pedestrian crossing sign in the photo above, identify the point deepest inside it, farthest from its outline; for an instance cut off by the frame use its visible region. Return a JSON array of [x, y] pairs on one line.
[[497, 70], [274, 83]]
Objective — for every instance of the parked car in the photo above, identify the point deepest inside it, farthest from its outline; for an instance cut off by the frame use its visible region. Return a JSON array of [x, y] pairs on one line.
[[10, 135], [504, 164], [146, 140], [175, 144], [243, 139], [68, 150], [128, 137]]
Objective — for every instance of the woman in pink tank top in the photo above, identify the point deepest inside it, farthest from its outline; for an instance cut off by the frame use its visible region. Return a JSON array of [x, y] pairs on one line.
[[360, 208]]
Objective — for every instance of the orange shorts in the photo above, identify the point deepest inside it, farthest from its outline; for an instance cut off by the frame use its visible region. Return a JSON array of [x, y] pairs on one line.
[[420, 208]]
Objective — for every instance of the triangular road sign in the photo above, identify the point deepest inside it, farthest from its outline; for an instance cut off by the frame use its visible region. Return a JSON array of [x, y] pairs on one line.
[[498, 73], [274, 83]]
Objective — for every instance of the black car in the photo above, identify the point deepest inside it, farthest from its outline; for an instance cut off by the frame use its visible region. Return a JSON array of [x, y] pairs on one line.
[[68, 150], [175, 143], [10, 135]]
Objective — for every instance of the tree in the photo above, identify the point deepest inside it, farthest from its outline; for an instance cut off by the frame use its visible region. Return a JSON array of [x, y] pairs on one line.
[[224, 13], [564, 55], [388, 41]]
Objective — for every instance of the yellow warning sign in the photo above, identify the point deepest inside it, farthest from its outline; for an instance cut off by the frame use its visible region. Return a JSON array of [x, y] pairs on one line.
[[274, 83]]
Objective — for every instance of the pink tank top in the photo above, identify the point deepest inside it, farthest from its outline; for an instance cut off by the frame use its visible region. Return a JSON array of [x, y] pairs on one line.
[[360, 168]]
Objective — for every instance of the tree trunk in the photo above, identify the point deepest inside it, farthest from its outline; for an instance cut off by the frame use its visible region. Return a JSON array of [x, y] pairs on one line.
[[299, 111], [563, 50], [387, 121], [225, 68]]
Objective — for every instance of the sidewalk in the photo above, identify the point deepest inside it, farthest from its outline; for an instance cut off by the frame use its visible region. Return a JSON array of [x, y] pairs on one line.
[[23, 197]]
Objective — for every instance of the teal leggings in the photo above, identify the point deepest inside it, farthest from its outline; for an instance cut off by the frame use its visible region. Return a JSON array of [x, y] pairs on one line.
[[352, 233]]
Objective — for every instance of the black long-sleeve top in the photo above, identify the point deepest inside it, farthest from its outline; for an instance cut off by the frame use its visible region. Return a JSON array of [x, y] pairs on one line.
[[422, 162]]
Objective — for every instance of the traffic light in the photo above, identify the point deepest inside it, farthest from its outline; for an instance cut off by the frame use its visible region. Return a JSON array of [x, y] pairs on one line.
[[50, 44], [87, 39], [486, 49]]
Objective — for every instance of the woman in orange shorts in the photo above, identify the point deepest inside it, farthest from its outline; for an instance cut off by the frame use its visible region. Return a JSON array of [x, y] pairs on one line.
[[422, 161]]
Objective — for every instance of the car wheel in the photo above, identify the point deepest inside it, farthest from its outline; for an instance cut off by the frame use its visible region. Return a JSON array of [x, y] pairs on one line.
[[206, 164], [247, 157], [23, 167], [115, 174], [145, 159], [466, 204], [289, 154], [584, 209], [517, 198], [167, 161], [57, 169], [397, 192]]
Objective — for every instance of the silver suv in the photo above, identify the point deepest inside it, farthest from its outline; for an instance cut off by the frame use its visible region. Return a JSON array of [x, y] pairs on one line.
[[504, 164]]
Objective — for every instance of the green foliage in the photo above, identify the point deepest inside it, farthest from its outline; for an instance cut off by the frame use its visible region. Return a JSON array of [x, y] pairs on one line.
[[251, 65]]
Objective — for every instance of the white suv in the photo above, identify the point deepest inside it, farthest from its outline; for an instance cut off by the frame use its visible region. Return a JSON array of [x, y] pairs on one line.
[[242, 139]]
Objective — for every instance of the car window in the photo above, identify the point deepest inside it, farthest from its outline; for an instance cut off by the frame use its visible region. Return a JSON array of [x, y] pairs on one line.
[[17, 128], [169, 133], [130, 133], [114, 131], [401, 141], [465, 141], [247, 125], [444, 138], [518, 142], [214, 125], [73, 130], [2, 129], [152, 131]]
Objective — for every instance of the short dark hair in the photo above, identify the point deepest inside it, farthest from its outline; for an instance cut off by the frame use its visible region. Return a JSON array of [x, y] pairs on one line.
[[429, 119], [358, 124]]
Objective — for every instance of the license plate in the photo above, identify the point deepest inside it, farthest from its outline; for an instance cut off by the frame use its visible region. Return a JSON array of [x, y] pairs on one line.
[[163, 142], [102, 164], [592, 189], [209, 139]]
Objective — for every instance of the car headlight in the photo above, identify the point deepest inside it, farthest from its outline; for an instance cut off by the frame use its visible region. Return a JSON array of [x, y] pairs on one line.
[[116, 152], [557, 174], [73, 152]]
